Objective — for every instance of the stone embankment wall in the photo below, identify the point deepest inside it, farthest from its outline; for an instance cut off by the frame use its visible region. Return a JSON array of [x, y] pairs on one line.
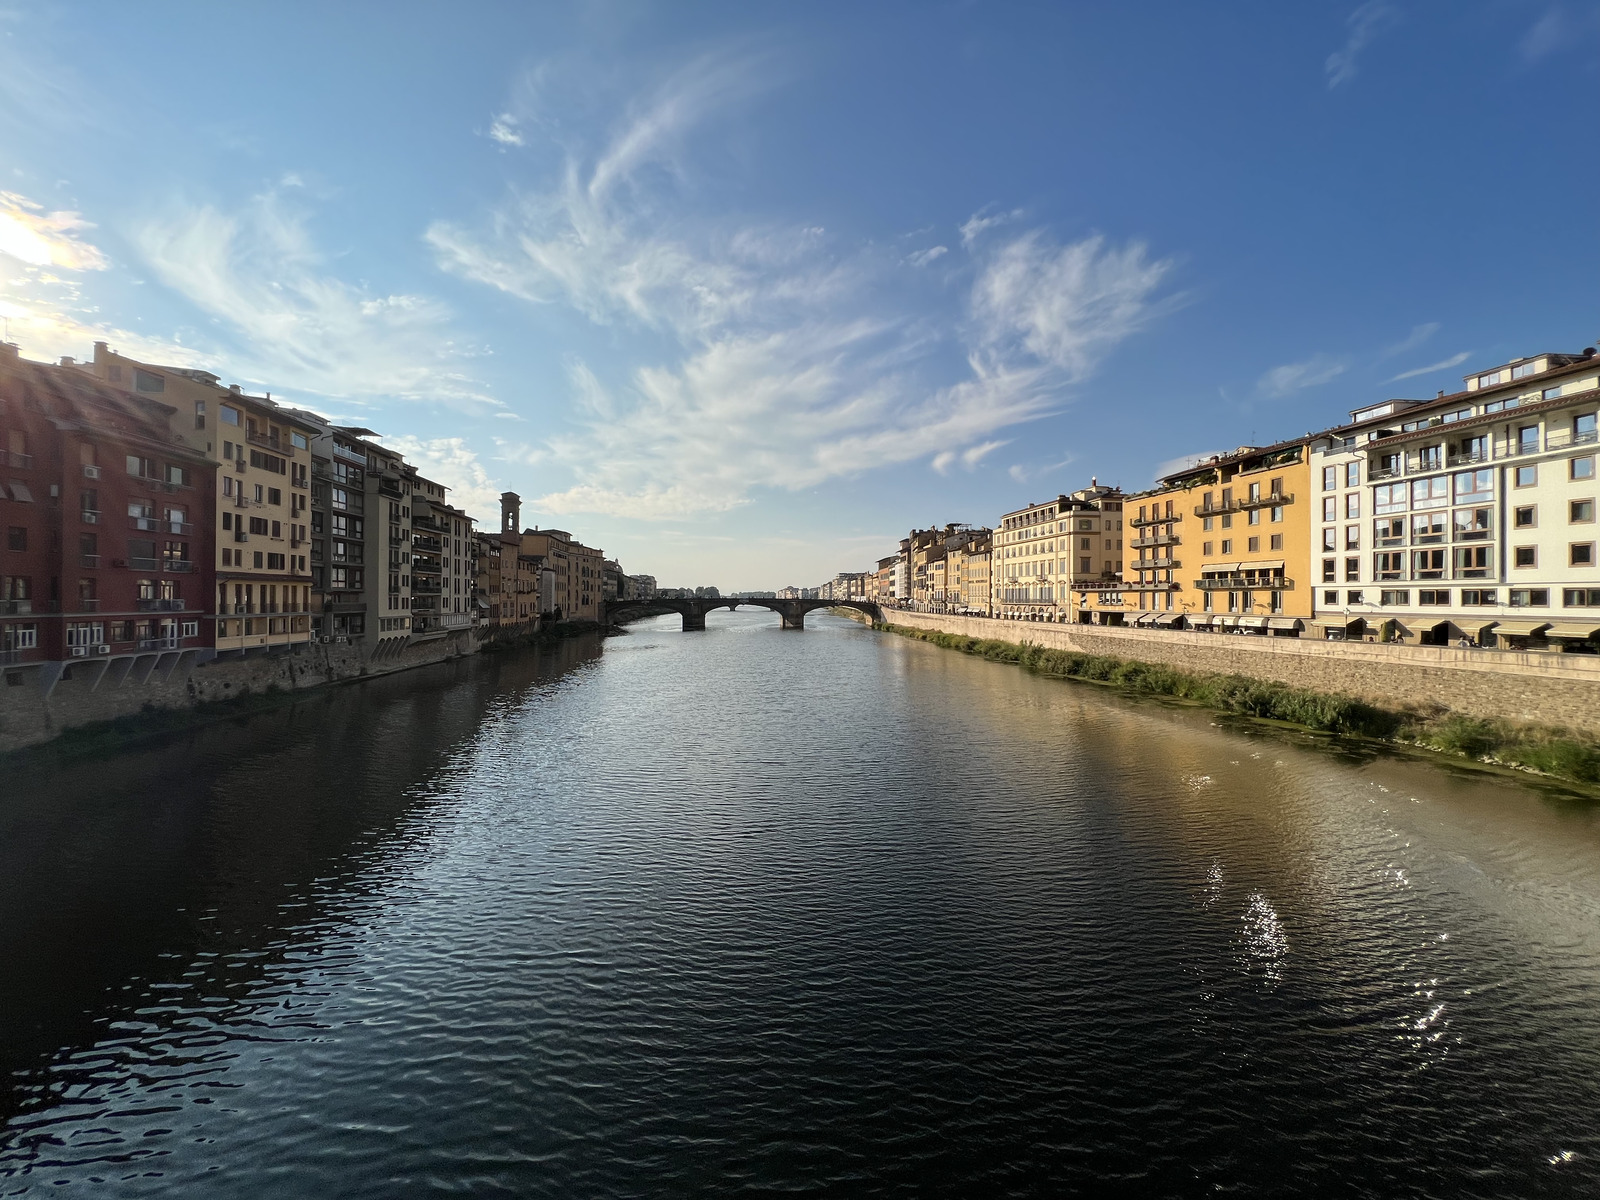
[[1540, 688], [94, 691]]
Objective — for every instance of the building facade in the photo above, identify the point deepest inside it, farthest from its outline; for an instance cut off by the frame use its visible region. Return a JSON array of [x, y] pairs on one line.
[[1046, 553]]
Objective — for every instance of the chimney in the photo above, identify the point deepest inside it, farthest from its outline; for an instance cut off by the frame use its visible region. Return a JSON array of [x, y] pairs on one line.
[[66, 360]]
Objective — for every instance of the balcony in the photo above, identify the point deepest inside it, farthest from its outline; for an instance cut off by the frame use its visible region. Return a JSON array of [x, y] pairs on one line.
[[262, 439], [21, 462], [351, 456], [1467, 458], [182, 528], [158, 643], [1379, 474], [1160, 539], [1139, 522], [144, 524], [1148, 564], [238, 465], [10, 658], [391, 489], [159, 606], [15, 608], [1270, 500], [90, 562], [399, 539], [90, 516], [88, 604], [430, 544], [178, 566], [1564, 438], [1245, 583], [143, 564]]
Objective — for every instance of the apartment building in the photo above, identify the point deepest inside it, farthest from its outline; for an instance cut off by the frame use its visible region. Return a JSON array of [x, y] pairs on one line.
[[1043, 553], [107, 552], [967, 574], [1468, 516], [346, 564], [1221, 545], [390, 481], [569, 573], [262, 494], [441, 587]]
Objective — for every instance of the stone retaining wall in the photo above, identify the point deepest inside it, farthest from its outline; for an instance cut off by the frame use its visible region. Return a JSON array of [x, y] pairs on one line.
[[1541, 688]]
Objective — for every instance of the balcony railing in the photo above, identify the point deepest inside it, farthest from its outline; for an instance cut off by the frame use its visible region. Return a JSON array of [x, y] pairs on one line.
[[10, 658], [1467, 458], [1271, 499], [354, 456], [143, 564], [146, 524], [430, 544], [1379, 474], [1160, 539], [1562, 438], [160, 606], [1147, 564], [21, 462], [158, 643], [1138, 522], [15, 608], [89, 562], [1245, 583], [262, 439], [177, 566], [180, 527]]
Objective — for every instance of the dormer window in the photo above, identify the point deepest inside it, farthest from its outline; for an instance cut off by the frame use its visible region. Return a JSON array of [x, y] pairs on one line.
[[1525, 369], [1490, 379]]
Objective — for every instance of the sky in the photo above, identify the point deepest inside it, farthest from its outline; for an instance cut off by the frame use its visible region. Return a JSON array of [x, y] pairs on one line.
[[742, 292]]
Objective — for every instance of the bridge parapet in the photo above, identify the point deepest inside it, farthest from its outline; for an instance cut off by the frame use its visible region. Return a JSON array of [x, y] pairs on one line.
[[793, 612]]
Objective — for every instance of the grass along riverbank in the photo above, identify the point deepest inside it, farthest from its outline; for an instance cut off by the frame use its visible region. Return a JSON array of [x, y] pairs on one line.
[[1548, 751]]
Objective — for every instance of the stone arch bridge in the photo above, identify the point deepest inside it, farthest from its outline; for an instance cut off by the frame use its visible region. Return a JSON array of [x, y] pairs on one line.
[[694, 610]]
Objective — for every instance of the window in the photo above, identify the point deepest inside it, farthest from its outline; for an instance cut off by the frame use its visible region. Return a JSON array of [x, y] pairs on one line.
[[1394, 597], [1525, 517], [1277, 513], [1330, 478], [1352, 537], [1490, 379], [274, 562], [1440, 596], [1205, 524], [1527, 439], [1430, 493], [142, 468], [1474, 485], [1389, 564], [1427, 528], [1330, 597], [1527, 476], [1389, 498], [147, 381], [1354, 597], [299, 441], [1523, 371], [257, 556], [1581, 468], [1352, 474], [1330, 539], [1472, 524], [1253, 546], [1227, 520], [230, 416], [1477, 597], [1580, 512], [1525, 556], [1427, 564], [1389, 531], [1227, 545], [1255, 516], [274, 496], [17, 537], [199, 414], [1352, 570], [1581, 554], [1277, 541], [1580, 597], [1530, 597], [1205, 549], [258, 525], [1330, 508], [1471, 562], [1352, 506]]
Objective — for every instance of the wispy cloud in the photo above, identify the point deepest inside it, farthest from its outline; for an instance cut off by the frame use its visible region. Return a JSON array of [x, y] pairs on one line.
[[985, 219], [452, 462], [258, 271], [46, 239], [793, 364], [923, 257], [503, 129], [1454, 360], [1361, 27], [1418, 335], [1293, 377]]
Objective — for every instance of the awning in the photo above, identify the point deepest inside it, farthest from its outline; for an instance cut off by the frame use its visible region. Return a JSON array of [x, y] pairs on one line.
[[1252, 622], [1518, 628], [1167, 620], [19, 491], [1338, 622], [1274, 564], [1227, 622], [1145, 618], [1284, 623], [1224, 568], [1579, 632], [1200, 621]]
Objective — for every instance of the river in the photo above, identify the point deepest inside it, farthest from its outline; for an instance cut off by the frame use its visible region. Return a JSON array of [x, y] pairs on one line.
[[751, 911]]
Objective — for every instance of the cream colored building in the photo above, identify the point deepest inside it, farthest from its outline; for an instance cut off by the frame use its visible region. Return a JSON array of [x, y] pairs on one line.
[[1042, 552]]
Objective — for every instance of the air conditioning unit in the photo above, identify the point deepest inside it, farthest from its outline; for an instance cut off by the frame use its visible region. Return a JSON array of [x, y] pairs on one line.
[[102, 649], [119, 562], [91, 472], [79, 651]]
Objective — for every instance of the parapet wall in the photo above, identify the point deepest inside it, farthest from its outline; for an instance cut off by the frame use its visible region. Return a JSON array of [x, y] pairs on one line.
[[1541, 688], [93, 691]]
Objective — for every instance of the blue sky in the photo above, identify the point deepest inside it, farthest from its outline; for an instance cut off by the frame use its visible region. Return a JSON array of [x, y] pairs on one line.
[[741, 292]]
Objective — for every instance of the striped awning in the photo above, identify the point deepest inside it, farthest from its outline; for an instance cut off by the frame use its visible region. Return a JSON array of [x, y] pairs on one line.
[[1565, 629], [1518, 628]]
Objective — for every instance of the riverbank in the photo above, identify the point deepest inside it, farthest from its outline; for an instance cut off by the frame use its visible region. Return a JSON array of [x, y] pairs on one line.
[[1546, 750]]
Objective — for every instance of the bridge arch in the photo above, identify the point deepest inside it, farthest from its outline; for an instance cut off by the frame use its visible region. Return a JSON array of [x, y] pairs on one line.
[[693, 610]]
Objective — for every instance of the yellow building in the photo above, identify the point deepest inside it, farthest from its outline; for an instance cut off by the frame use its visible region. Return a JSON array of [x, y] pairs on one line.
[[967, 575], [263, 495], [1045, 552], [1222, 545]]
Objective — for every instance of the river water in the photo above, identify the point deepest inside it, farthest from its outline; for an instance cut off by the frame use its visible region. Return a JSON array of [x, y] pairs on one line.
[[748, 912]]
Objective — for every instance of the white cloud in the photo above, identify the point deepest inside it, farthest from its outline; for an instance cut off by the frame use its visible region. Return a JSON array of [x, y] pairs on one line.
[[975, 225], [787, 367], [1362, 26], [1292, 377], [1418, 335], [1548, 34], [449, 461], [923, 257], [46, 239], [303, 328], [1454, 360], [503, 129]]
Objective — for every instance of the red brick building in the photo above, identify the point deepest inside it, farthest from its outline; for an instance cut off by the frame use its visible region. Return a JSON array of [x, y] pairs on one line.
[[106, 517]]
